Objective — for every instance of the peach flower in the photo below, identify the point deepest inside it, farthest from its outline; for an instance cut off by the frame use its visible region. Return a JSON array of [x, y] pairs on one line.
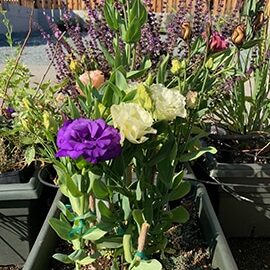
[[95, 77]]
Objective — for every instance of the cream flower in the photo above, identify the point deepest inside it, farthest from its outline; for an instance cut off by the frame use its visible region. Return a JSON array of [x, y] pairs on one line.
[[169, 103], [133, 121]]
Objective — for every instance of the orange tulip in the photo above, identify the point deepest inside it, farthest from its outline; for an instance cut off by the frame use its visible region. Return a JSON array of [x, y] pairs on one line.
[[239, 34], [186, 31]]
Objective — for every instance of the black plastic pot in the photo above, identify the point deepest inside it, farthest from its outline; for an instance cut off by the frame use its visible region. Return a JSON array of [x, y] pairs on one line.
[[46, 176], [17, 176], [19, 219], [221, 254], [249, 217]]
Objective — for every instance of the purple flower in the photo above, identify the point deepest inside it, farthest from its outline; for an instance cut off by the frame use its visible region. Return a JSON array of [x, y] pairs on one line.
[[93, 140], [8, 112]]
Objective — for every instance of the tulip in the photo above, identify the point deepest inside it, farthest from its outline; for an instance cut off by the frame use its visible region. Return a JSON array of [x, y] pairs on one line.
[[186, 31], [239, 35], [217, 42], [258, 22]]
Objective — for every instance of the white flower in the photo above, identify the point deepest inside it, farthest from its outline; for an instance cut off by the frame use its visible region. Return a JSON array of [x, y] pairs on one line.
[[169, 103], [133, 121]]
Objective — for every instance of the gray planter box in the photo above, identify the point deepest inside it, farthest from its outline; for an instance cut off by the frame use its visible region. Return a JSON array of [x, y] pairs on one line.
[[18, 220], [221, 254], [243, 218]]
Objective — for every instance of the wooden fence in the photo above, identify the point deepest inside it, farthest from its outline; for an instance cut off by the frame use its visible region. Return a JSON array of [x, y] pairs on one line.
[[171, 5]]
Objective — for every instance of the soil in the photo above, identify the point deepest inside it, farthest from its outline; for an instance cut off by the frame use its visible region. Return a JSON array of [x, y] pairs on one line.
[[250, 148], [251, 253], [11, 267], [186, 249]]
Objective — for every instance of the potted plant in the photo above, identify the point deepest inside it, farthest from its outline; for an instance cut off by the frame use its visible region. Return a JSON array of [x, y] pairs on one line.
[[240, 131], [221, 256], [121, 147], [22, 195]]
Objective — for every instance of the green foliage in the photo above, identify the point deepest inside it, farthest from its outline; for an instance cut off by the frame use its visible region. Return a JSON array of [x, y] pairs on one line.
[[8, 26]]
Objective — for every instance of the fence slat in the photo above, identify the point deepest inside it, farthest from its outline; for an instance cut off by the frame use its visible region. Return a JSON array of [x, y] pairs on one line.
[[218, 6]]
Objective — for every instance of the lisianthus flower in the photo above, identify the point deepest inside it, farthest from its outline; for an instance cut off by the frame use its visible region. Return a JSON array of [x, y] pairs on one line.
[[169, 103], [93, 140], [9, 112], [95, 77], [133, 121], [217, 42]]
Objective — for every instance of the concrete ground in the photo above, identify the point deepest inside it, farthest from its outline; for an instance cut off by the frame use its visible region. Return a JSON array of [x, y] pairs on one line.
[[37, 72], [34, 56]]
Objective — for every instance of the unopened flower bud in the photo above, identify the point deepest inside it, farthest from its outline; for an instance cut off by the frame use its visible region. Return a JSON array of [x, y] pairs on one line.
[[176, 66], [258, 22], [73, 65], [209, 64], [186, 31], [149, 80], [239, 35], [191, 99]]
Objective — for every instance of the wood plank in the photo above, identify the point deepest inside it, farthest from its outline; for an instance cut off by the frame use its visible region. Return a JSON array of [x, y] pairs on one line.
[[158, 5]]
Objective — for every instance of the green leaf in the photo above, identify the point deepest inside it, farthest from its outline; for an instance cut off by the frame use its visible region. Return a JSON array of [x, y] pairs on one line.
[[62, 258], [29, 154], [138, 191], [61, 228], [72, 187], [197, 153], [130, 95], [127, 244], [77, 255], [89, 259], [161, 75], [179, 214], [70, 216], [74, 113], [251, 43], [107, 55], [180, 191], [115, 265], [94, 233], [105, 212], [135, 74], [109, 242], [100, 190], [126, 207], [138, 217], [120, 80], [111, 15], [148, 265], [164, 152], [112, 95]]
